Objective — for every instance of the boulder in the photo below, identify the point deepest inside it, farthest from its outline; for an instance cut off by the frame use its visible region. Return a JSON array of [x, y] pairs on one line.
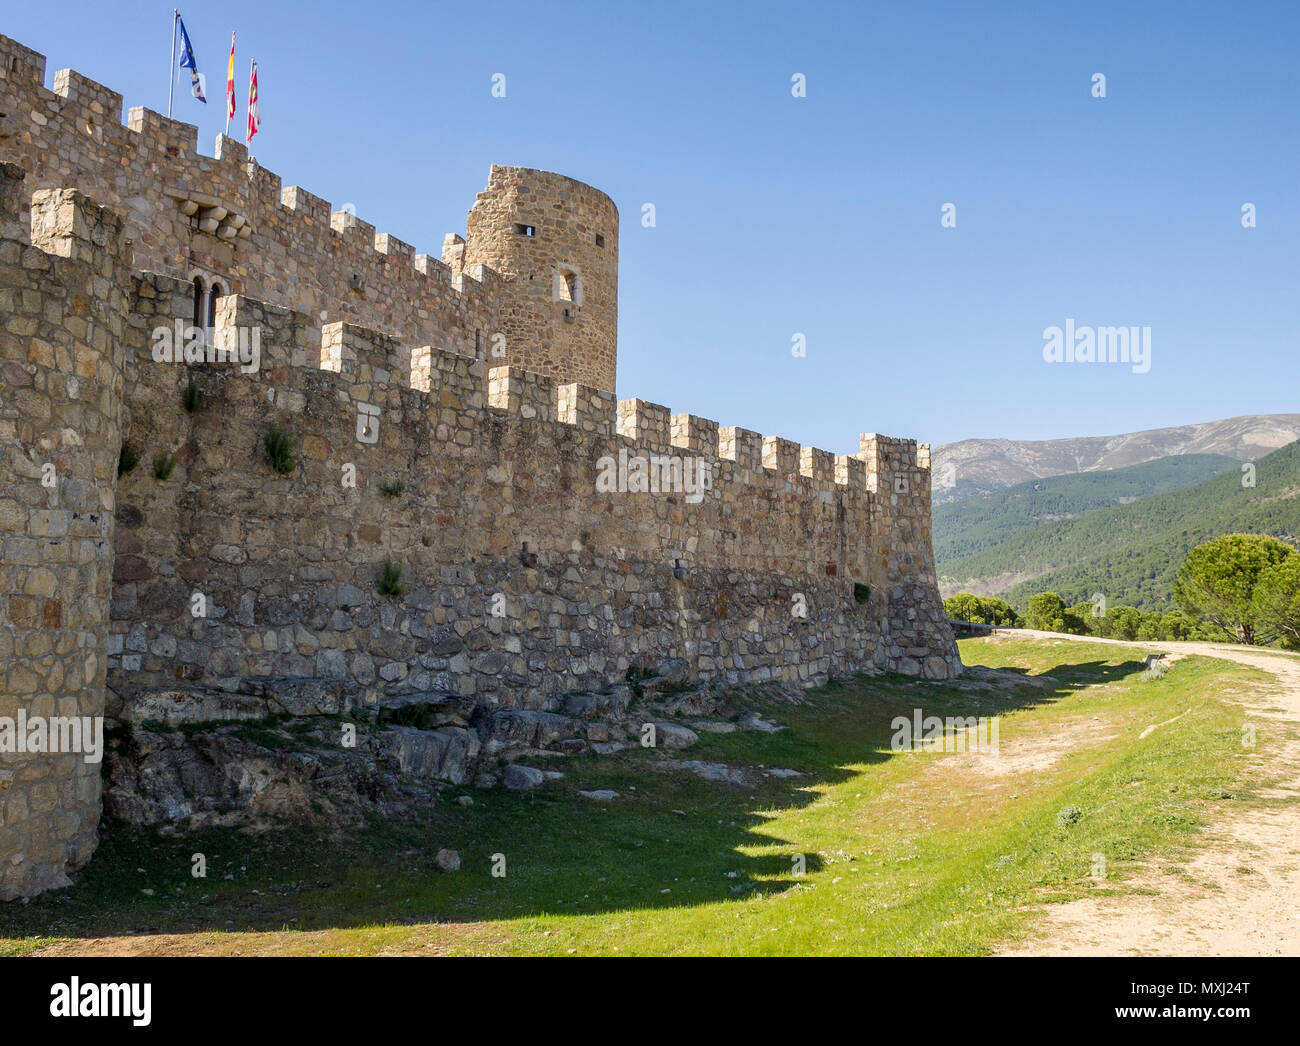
[[447, 861], [671, 735], [522, 778]]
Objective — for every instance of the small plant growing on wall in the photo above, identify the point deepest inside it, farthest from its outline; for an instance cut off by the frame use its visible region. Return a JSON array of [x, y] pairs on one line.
[[390, 580], [279, 451], [127, 458], [164, 463], [392, 490], [192, 398], [861, 592]]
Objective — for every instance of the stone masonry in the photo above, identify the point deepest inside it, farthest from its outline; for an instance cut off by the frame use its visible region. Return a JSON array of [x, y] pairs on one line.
[[449, 419]]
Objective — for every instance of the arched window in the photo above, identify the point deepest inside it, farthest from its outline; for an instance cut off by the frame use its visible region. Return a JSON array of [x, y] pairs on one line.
[[198, 300], [213, 295], [568, 286]]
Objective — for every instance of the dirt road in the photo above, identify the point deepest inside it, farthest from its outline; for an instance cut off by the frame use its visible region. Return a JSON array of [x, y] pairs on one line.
[[1240, 895]]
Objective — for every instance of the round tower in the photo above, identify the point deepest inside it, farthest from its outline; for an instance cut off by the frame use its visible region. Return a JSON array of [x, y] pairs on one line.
[[555, 243]]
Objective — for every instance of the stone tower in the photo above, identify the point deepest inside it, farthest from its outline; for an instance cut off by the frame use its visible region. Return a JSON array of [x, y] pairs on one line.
[[555, 242], [61, 405]]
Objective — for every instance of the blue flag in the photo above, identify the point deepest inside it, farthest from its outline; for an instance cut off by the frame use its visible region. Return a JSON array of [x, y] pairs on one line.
[[187, 62]]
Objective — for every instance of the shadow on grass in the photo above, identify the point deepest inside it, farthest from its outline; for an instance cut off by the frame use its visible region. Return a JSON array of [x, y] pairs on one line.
[[670, 839]]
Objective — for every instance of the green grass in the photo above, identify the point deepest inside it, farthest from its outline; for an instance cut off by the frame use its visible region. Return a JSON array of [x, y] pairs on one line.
[[906, 854]]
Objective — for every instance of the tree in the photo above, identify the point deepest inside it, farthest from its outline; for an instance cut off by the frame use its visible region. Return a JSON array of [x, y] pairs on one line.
[[1123, 622], [1276, 603], [1217, 580], [1046, 612], [981, 610]]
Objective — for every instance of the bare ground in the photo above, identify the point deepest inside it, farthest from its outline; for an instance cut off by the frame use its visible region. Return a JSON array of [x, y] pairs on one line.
[[1240, 893]]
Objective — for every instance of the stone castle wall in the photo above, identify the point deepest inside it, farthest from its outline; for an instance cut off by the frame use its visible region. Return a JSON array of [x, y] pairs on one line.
[[495, 463], [62, 318], [416, 446]]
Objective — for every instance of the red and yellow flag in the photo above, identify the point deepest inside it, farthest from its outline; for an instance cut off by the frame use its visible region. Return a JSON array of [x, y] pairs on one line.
[[230, 80], [254, 117]]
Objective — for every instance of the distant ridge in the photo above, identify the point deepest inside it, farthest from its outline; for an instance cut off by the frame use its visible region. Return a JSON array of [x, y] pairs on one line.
[[980, 466]]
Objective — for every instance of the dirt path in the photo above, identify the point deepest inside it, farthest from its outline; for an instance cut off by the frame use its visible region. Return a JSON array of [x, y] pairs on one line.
[[1240, 895]]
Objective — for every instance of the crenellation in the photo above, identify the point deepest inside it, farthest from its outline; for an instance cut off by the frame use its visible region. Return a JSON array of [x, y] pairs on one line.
[[742, 446], [591, 410], [177, 138], [19, 63], [310, 206], [94, 100], [395, 249], [850, 472], [645, 423], [532, 397], [817, 465], [782, 457], [698, 435]]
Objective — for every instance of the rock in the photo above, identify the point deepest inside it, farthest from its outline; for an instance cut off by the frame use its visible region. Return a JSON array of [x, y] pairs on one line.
[[778, 772], [174, 706], [696, 703], [607, 747], [714, 771], [553, 775], [671, 735], [427, 709], [713, 727], [447, 861], [485, 780], [754, 721], [507, 729], [306, 695], [523, 778], [445, 754], [669, 673], [579, 705], [465, 800], [601, 795]]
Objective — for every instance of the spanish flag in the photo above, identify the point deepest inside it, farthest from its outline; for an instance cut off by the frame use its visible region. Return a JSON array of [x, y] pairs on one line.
[[230, 80]]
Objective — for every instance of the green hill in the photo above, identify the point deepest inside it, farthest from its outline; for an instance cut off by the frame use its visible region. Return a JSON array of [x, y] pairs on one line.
[[964, 528], [1130, 552]]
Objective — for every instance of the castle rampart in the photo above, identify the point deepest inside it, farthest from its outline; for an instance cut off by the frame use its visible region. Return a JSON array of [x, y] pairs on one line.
[[549, 537]]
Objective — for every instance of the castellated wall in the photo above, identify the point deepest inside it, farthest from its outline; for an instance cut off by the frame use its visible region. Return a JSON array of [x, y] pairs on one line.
[[524, 580], [190, 588], [62, 318]]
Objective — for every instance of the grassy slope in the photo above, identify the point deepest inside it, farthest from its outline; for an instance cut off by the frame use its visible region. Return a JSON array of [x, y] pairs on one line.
[[907, 854], [967, 527], [1131, 552]]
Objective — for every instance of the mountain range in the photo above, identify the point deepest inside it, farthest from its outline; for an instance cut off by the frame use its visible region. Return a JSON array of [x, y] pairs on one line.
[[979, 466]]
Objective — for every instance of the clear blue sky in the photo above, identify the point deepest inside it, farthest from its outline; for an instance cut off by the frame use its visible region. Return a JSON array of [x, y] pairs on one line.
[[819, 215]]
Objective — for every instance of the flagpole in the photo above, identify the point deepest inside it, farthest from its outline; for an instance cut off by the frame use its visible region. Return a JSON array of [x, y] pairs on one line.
[[171, 64]]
